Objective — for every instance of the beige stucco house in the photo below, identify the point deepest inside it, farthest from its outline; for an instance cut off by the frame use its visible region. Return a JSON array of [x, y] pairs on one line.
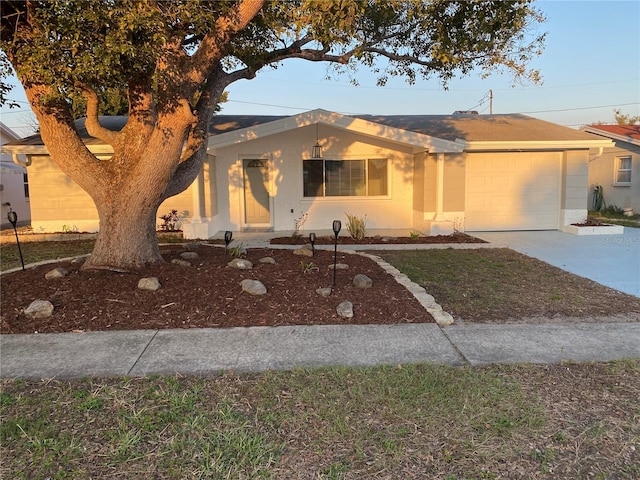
[[617, 169], [428, 173], [14, 186]]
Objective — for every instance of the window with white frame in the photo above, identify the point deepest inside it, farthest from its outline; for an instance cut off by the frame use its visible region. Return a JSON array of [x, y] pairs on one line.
[[347, 178], [623, 170]]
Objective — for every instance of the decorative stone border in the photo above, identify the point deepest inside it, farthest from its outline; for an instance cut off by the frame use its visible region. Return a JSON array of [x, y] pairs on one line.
[[441, 317]]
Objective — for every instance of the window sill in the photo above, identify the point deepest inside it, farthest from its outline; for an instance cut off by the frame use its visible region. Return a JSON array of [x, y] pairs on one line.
[[345, 198], [621, 184]]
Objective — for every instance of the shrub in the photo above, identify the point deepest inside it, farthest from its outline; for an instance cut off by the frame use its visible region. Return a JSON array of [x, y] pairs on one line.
[[170, 222], [356, 226]]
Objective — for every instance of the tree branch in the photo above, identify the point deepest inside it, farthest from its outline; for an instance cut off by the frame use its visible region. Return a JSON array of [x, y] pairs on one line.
[[213, 45], [92, 124]]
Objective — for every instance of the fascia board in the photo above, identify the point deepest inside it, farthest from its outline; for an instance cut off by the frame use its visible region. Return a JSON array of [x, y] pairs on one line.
[[6, 131], [538, 145], [613, 136]]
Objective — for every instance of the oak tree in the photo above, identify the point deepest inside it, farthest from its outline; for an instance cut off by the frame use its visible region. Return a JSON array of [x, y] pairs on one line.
[[173, 59]]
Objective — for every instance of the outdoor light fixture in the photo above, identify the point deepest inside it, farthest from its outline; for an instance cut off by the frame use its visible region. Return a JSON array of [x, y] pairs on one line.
[[337, 225], [228, 235], [13, 219], [316, 152], [312, 239]]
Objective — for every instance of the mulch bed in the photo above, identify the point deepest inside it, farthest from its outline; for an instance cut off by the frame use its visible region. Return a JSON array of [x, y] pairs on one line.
[[207, 294], [457, 237]]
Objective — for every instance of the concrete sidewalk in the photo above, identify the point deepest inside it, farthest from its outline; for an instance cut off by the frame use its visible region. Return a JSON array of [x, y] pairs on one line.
[[255, 349]]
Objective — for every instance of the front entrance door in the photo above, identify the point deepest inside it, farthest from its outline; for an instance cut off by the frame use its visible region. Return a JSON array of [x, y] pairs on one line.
[[256, 192]]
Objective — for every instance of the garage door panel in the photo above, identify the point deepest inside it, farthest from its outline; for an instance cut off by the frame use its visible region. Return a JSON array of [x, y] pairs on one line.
[[513, 191]]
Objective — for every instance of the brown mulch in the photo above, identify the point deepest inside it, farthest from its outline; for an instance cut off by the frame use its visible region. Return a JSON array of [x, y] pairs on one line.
[[206, 294], [457, 237]]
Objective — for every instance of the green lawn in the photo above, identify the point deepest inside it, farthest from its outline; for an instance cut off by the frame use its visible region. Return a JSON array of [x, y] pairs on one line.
[[33, 252], [413, 421], [498, 284]]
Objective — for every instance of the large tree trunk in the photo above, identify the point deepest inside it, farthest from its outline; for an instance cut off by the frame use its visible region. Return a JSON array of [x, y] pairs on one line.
[[127, 237], [128, 207]]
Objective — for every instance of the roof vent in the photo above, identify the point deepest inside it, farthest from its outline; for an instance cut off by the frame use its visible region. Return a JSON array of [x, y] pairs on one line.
[[465, 112]]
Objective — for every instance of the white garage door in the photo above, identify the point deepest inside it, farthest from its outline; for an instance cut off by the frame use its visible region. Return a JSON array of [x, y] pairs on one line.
[[513, 191]]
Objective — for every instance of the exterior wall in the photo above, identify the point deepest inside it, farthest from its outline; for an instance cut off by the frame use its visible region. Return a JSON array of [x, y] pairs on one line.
[[419, 166], [430, 185], [12, 195], [602, 172], [59, 204], [12, 191], [284, 153], [454, 182], [575, 172], [453, 194]]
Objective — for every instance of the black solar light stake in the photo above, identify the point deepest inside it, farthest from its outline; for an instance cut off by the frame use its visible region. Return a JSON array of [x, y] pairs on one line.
[[13, 218], [312, 239], [228, 235], [337, 225]]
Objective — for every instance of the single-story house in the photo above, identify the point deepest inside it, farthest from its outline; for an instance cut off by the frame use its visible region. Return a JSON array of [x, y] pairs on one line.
[[427, 173], [14, 185], [617, 170]]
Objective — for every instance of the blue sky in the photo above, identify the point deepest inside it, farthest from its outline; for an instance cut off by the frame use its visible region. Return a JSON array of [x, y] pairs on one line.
[[590, 66]]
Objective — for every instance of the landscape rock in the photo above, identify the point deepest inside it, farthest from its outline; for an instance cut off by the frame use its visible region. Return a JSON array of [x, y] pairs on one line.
[[269, 260], [304, 251], [323, 292], [345, 309], [149, 283], [56, 273], [188, 255], [39, 309], [182, 263], [192, 246], [362, 281], [254, 287], [339, 266], [240, 263], [79, 260]]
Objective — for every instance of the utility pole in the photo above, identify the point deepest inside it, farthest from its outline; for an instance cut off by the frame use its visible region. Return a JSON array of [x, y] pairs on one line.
[[490, 102]]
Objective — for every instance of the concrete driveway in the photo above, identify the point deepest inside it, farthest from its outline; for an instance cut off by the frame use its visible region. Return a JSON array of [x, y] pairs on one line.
[[611, 260]]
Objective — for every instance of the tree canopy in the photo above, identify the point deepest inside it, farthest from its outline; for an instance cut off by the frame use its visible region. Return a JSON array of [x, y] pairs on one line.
[[172, 59], [108, 45]]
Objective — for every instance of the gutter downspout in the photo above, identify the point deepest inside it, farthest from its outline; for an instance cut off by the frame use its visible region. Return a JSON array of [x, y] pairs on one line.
[[17, 161]]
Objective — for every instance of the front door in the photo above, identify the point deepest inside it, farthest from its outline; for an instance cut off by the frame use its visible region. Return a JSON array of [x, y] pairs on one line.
[[256, 192]]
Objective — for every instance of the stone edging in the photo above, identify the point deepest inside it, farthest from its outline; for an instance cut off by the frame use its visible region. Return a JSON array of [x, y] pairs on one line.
[[441, 317]]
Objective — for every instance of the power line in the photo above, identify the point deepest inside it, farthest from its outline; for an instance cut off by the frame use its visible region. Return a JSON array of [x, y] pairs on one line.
[[583, 108]]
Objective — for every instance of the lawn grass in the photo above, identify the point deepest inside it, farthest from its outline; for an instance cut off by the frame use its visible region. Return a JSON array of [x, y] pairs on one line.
[[616, 218], [410, 421], [498, 284], [34, 252]]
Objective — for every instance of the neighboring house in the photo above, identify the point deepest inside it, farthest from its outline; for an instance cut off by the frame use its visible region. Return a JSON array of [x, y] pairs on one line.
[[617, 169], [14, 186], [428, 173]]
